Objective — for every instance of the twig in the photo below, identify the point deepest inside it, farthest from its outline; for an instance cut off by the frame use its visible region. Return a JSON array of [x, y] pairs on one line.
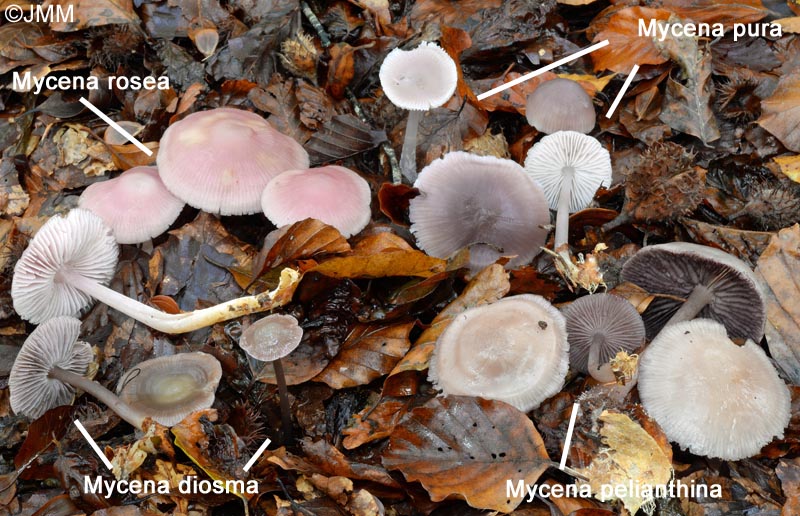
[[324, 38]]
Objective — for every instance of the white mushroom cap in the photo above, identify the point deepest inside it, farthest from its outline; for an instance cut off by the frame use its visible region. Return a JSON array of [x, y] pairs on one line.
[[220, 160], [135, 205], [514, 350], [271, 337], [709, 395], [560, 105], [52, 344], [80, 243], [170, 388], [569, 154], [481, 202], [419, 79], [335, 195]]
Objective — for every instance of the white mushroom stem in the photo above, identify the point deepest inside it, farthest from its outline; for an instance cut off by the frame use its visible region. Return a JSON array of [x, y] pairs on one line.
[[700, 297], [183, 322], [122, 409], [600, 372], [562, 214], [408, 156]]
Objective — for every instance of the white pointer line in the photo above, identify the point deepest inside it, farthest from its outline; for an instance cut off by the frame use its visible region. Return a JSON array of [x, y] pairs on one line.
[[568, 440], [623, 90], [556, 64], [94, 446], [255, 457], [116, 126]]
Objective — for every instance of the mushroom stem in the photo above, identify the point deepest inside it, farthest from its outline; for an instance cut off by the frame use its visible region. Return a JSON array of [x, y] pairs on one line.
[[562, 214], [600, 372], [408, 156], [697, 300], [283, 393], [122, 409], [183, 322]]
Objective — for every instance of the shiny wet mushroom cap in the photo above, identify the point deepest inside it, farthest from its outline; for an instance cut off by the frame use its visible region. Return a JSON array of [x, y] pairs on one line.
[[709, 395], [170, 388], [271, 337], [514, 350], [715, 285], [560, 105]]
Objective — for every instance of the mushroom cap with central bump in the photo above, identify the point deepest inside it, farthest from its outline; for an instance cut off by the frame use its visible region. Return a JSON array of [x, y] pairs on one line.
[[481, 202], [52, 344], [170, 388], [135, 205], [560, 105], [271, 337], [676, 268], [709, 395], [78, 243], [335, 195], [514, 350], [419, 79], [220, 160]]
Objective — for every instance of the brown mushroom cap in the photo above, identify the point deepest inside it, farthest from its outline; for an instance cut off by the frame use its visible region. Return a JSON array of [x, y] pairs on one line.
[[170, 388], [709, 395], [514, 350], [676, 268], [560, 105], [271, 337], [52, 344]]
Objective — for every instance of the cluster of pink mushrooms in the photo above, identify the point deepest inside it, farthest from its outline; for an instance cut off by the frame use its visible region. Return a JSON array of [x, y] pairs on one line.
[[710, 395]]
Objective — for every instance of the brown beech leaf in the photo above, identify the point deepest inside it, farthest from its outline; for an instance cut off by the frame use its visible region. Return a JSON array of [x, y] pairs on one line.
[[726, 12], [394, 200], [622, 32], [43, 433], [486, 287], [308, 238], [512, 100], [381, 265], [94, 13], [789, 165], [370, 351], [779, 273], [781, 111], [744, 244], [376, 421], [341, 137], [165, 304], [454, 41], [468, 448]]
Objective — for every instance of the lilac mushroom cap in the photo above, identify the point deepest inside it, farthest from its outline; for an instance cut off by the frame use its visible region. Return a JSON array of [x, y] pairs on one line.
[[715, 284], [220, 160], [485, 203], [709, 395], [560, 105], [335, 195], [514, 350], [135, 205]]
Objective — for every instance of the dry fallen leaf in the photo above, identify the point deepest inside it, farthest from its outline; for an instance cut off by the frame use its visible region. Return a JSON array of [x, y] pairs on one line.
[[790, 166], [781, 111], [622, 32], [381, 265]]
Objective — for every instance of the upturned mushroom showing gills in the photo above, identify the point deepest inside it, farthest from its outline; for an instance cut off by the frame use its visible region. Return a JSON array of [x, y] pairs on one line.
[[709, 395], [484, 203], [71, 258], [560, 105], [220, 160], [570, 167], [417, 80], [599, 326], [714, 284], [135, 205], [335, 195], [514, 350]]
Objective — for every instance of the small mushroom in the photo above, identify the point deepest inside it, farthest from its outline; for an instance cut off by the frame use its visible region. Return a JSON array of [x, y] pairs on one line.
[[220, 160], [268, 340], [335, 195], [170, 388], [417, 80], [570, 167], [709, 395], [135, 205], [485, 203], [599, 326], [70, 259], [560, 105], [514, 350], [714, 284]]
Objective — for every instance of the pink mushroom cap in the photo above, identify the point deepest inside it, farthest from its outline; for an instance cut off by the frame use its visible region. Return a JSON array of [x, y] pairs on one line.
[[335, 195], [135, 205], [220, 160]]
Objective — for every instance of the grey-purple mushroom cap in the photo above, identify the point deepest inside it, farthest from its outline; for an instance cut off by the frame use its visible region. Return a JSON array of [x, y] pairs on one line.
[[54, 343], [169, 388], [271, 337], [612, 318], [481, 202], [675, 268], [77, 243], [560, 105], [709, 395]]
